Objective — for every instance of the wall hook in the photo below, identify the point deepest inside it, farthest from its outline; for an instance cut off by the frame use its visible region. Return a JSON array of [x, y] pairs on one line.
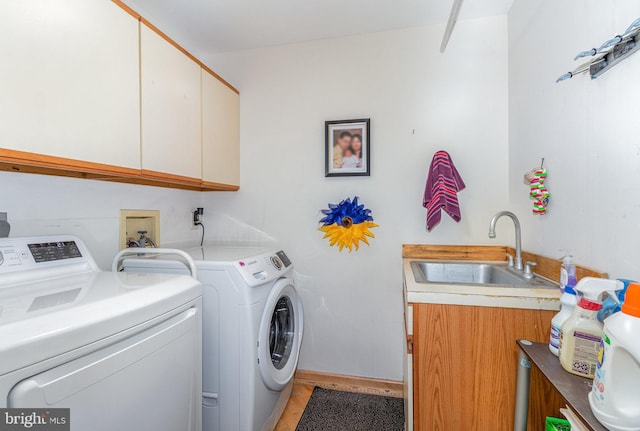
[[610, 53], [608, 44], [589, 53], [634, 25]]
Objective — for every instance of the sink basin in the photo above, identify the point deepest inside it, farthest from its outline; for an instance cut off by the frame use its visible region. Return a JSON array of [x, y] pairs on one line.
[[486, 274]]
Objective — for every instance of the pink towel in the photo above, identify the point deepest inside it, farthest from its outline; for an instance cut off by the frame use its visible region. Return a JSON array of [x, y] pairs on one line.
[[441, 191]]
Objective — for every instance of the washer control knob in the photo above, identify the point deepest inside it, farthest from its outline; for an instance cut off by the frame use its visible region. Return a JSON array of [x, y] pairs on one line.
[[275, 260]]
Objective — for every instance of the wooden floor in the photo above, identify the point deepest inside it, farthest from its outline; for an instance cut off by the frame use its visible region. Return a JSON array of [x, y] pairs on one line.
[[300, 396]]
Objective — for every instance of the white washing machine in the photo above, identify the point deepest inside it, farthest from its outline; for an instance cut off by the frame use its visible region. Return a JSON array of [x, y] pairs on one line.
[[253, 325], [120, 350]]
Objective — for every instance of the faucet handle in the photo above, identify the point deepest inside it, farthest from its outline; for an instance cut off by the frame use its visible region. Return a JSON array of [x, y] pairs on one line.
[[527, 269], [509, 259]]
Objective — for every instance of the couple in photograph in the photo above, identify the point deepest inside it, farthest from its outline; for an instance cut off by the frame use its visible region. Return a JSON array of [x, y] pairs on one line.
[[347, 152]]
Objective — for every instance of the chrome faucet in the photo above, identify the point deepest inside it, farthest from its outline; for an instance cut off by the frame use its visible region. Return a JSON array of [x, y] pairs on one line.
[[516, 222]]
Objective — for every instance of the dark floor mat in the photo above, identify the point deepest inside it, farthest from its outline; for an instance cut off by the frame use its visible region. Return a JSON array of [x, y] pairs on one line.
[[330, 410]]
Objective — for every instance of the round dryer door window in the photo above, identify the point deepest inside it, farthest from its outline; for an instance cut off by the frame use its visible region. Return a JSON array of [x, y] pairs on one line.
[[282, 332], [280, 335]]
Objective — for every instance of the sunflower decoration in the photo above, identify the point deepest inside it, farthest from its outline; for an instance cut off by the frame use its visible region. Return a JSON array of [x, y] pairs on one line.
[[346, 224]]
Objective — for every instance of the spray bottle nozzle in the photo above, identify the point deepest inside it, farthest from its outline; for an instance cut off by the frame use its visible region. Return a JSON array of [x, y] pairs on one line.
[[614, 296], [591, 291]]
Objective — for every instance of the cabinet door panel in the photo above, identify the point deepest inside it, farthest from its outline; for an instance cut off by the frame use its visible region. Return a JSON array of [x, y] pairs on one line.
[[171, 111], [220, 132], [69, 82], [464, 368]]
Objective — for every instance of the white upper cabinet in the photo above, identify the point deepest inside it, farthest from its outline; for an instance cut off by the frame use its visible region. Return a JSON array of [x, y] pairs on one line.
[[171, 108], [85, 80], [220, 132], [69, 83]]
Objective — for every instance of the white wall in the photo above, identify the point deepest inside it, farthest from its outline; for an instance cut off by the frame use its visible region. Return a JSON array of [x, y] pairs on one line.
[[418, 100], [587, 130], [456, 101], [43, 205]]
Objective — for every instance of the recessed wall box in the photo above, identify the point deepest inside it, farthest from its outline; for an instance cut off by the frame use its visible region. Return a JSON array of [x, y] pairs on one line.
[[134, 221]]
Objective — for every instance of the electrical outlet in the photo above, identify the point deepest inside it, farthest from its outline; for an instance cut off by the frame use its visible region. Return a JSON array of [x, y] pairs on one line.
[[197, 218]]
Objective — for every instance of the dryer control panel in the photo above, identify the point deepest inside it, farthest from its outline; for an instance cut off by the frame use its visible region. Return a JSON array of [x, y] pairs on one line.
[[61, 254], [264, 268]]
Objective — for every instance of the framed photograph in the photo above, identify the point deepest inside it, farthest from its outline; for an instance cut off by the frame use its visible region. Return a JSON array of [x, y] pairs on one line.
[[347, 148]]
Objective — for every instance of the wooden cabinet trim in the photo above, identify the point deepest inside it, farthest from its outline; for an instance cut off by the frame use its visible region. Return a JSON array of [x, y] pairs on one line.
[[160, 33], [22, 161], [454, 252], [340, 382], [32, 163], [410, 344], [169, 178], [417, 360], [219, 186]]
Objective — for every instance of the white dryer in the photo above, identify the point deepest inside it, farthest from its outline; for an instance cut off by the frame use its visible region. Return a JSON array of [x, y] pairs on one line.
[[253, 325], [120, 350]]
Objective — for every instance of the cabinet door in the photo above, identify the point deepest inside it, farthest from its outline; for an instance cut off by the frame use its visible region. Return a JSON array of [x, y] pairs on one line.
[[171, 113], [220, 132], [69, 83], [464, 364]]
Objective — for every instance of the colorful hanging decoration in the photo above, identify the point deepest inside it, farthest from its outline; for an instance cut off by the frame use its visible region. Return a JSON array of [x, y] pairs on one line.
[[346, 224], [538, 192]]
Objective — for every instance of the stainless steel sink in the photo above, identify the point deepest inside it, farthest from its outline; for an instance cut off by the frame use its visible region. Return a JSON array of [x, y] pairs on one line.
[[487, 274]]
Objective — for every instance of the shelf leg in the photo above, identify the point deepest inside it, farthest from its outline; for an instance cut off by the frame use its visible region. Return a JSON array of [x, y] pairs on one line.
[[522, 392]]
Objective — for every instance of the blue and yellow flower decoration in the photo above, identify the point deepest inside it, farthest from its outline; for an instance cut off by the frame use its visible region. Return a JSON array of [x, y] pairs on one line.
[[346, 224]]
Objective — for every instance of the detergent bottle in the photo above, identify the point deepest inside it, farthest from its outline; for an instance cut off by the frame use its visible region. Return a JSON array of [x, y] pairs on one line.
[[568, 302], [582, 332], [615, 395]]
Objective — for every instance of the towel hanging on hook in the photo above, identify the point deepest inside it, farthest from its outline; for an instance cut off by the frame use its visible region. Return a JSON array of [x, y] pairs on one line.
[[441, 190]]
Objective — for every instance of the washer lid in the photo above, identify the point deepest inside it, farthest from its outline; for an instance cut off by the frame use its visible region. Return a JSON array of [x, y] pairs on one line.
[[43, 319]]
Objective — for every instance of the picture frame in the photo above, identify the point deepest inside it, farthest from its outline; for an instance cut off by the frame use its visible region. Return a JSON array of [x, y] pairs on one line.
[[348, 148]]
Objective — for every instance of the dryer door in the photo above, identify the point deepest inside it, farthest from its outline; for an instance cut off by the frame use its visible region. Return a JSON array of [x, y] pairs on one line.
[[280, 335]]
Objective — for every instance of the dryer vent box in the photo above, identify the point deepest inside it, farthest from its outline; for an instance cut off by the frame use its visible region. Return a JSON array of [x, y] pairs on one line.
[[134, 221]]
